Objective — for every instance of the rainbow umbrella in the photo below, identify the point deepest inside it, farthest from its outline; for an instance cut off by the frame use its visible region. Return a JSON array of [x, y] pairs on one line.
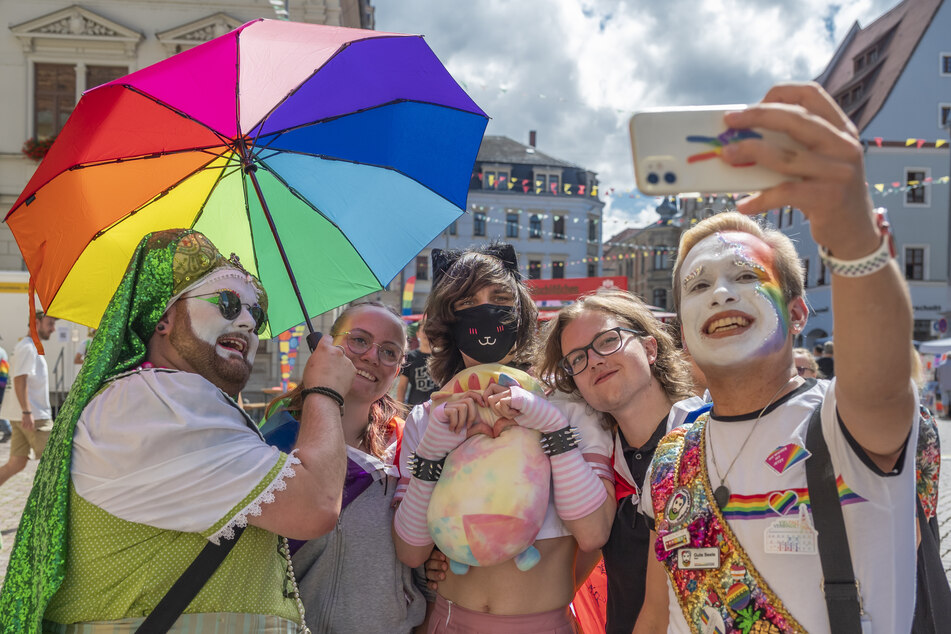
[[324, 157]]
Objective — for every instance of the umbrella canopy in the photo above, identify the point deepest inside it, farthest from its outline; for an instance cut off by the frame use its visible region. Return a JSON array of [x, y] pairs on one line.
[[328, 154]]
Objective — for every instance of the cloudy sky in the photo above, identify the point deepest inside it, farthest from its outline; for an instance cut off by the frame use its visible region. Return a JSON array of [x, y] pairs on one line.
[[575, 70]]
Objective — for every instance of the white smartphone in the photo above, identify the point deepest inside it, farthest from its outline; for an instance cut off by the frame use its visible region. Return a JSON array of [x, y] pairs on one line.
[[677, 151]]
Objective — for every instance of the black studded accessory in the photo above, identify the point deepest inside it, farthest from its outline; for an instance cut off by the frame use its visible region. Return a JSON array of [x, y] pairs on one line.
[[425, 469], [556, 442]]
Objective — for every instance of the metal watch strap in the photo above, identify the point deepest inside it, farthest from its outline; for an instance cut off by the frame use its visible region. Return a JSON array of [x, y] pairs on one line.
[[560, 441], [425, 469]]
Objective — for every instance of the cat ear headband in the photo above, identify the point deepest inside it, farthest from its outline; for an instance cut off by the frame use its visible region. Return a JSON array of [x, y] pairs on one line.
[[504, 252]]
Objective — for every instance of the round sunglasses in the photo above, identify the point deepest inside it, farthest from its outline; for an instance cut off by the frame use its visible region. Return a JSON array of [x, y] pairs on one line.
[[230, 306]]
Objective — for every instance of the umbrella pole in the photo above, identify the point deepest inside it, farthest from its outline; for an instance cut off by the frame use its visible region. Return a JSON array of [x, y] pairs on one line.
[[314, 337]]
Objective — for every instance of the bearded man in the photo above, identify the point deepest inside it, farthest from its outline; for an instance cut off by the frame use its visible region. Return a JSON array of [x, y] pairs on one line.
[[151, 459]]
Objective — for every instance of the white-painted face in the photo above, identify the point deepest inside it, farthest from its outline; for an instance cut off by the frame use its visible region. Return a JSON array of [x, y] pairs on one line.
[[732, 306], [230, 339]]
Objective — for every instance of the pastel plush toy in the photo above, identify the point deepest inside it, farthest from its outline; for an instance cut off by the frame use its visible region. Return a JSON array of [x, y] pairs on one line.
[[491, 498]]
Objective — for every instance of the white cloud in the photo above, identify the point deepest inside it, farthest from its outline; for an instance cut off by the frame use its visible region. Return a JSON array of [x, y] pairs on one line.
[[574, 70]]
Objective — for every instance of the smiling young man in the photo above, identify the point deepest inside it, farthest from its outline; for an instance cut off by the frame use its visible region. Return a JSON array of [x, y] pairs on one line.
[[151, 459], [735, 534]]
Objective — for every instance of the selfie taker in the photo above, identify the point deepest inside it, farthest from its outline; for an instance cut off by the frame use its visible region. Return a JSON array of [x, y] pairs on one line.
[[743, 522]]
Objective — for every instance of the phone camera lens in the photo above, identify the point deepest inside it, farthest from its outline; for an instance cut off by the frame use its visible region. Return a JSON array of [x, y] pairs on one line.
[[670, 177], [653, 178]]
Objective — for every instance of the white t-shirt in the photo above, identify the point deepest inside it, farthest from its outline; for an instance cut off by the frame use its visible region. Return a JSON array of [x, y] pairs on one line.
[[26, 360], [879, 509], [596, 445]]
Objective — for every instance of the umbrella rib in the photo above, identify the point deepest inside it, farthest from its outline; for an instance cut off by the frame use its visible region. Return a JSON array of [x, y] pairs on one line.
[[343, 160], [304, 200], [277, 133], [224, 139], [151, 200], [300, 85], [144, 157]]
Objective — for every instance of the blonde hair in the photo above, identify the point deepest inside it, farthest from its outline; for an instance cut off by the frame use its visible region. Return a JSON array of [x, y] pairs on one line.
[[670, 368], [787, 263]]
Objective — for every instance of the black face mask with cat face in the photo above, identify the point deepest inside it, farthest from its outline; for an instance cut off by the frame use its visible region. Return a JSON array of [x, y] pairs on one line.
[[486, 332]]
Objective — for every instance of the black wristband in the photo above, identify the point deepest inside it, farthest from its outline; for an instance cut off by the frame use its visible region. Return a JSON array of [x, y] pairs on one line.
[[323, 391], [425, 469], [556, 442]]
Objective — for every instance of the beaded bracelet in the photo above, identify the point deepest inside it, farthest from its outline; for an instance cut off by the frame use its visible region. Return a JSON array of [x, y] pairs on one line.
[[424, 468], [556, 442], [324, 391], [869, 264]]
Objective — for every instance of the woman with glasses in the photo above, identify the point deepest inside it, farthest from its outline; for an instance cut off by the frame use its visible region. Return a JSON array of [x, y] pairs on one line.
[[350, 579], [480, 312], [611, 351], [806, 365]]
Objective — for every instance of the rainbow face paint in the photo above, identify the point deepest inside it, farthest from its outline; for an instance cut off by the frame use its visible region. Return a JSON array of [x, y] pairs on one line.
[[732, 305]]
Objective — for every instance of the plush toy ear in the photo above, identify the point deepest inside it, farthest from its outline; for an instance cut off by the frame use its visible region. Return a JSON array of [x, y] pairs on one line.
[[506, 253]]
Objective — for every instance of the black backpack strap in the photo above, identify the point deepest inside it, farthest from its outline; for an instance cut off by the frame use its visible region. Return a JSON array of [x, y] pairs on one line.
[[839, 585], [187, 587]]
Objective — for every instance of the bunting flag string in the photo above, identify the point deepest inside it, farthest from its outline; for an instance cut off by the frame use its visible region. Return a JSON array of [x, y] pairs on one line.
[[896, 187]]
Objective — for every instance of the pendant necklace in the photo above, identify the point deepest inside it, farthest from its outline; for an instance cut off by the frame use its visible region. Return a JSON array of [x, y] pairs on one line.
[[722, 493]]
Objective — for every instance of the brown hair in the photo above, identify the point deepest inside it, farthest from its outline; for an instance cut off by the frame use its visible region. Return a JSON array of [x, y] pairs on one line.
[[670, 368], [810, 360], [787, 263], [469, 274], [381, 411]]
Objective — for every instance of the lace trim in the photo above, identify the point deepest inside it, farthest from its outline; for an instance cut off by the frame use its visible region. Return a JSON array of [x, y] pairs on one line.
[[254, 508]]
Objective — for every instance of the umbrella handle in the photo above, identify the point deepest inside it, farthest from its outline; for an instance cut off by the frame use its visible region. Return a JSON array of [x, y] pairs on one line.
[[313, 339]]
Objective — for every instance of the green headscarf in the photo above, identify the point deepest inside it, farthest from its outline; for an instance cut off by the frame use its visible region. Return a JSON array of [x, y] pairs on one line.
[[164, 264]]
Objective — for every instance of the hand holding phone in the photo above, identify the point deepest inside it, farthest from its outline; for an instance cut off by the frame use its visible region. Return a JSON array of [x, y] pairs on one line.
[[678, 151]]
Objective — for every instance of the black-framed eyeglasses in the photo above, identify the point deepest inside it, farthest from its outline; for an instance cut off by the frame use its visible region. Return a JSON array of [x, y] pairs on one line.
[[230, 306], [360, 342], [604, 344]]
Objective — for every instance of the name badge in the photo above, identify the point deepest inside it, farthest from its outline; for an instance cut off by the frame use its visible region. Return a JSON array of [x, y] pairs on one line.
[[698, 558], [791, 536], [676, 539]]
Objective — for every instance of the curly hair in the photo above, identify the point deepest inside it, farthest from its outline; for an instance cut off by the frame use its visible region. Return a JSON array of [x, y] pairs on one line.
[[670, 368], [473, 271], [382, 410], [788, 266]]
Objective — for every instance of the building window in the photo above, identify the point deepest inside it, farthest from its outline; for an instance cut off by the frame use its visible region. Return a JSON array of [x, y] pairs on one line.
[[805, 272], [54, 92], [592, 269], [422, 267], [558, 230], [495, 178], [660, 259], [511, 225], [592, 230], [557, 269], [554, 182], [534, 269], [660, 298], [914, 263], [946, 63], [944, 115], [478, 224], [535, 226], [821, 280], [453, 228], [917, 192]]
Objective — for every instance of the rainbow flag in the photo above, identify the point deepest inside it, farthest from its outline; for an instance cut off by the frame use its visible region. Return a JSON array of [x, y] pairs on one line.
[[288, 342], [408, 296]]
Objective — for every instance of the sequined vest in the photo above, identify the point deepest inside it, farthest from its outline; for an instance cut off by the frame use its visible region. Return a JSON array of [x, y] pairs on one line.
[[731, 597]]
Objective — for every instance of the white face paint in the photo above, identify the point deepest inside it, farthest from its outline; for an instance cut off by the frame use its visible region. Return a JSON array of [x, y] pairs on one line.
[[230, 339], [731, 305]]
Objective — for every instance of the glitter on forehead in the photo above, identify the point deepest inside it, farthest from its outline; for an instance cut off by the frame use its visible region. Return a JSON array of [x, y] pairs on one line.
[[742, 255]]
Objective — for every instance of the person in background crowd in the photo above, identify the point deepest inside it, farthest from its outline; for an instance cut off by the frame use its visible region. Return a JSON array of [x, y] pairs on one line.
[[806, 365], [31, 387], [415, 383], [826, 362]]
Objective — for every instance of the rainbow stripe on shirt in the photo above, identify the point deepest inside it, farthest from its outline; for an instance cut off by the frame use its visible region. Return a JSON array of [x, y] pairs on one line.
[[781, 502]]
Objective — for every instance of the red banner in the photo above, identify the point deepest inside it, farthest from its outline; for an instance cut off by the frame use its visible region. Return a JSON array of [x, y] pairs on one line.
[[569, 289]]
